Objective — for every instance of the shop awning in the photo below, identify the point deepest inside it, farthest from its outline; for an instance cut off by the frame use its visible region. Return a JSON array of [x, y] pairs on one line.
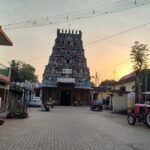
[[4, 73], [4, 40], [4, 78]]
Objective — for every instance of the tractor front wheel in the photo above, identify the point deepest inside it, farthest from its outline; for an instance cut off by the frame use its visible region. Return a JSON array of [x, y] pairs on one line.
[[148, 120], [131, 119]]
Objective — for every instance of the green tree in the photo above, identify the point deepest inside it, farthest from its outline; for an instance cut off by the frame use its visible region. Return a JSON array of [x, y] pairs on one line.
[[139, 55], [107, 83], [145, 80], [20, 71], [14, 65]]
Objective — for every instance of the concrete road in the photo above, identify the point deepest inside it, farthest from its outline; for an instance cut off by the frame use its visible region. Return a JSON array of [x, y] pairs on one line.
[[73, 128]]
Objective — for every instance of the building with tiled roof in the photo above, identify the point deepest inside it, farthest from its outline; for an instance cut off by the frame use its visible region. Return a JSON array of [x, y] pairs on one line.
[[4, 73]]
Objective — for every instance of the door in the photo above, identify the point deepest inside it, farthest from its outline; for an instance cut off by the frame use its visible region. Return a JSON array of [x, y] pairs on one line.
[[65, 99]]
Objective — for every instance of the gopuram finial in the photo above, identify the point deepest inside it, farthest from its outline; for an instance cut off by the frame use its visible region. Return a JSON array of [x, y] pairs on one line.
[[80, 33], [58, 31]]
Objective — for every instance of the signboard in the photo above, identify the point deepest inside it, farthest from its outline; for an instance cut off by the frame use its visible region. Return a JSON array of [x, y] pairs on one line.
[[67, 71], [66, 80]]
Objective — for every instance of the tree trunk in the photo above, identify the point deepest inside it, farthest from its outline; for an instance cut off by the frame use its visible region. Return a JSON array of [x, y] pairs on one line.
[[138, 88]]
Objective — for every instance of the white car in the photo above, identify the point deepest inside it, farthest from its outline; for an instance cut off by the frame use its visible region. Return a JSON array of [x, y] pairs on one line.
[[35, 101]]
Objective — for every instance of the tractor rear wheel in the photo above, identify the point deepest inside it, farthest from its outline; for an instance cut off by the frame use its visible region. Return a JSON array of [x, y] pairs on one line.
[[148, 120], [131, 119]]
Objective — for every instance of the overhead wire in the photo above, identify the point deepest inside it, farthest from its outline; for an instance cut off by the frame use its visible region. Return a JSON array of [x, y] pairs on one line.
[[114, 42], [117, 64], [65, 14], [34, 12], [107, 77], [37, 58], [113, 67], [8, 14], [119, 33], [78, 15], [108, 37]]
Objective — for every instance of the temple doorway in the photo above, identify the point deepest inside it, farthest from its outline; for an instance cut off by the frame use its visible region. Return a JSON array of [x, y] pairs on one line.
[[65, 99]]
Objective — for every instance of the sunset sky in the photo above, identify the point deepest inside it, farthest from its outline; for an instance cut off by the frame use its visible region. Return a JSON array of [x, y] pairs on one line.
[[107, 46]]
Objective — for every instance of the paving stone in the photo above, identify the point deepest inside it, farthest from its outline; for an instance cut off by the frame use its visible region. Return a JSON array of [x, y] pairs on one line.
[[73, 128]]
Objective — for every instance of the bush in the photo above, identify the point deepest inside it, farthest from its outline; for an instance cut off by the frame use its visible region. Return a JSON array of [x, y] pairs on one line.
[[13, 115]]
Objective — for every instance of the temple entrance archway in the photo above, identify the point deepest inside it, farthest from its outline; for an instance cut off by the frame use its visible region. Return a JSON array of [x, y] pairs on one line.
[[65, 99]]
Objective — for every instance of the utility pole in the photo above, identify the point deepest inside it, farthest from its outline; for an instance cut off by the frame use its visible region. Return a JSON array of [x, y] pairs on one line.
[[96, 79], [114, 74]]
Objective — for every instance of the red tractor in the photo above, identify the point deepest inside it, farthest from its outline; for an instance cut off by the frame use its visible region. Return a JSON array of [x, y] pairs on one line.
[[140, 113]]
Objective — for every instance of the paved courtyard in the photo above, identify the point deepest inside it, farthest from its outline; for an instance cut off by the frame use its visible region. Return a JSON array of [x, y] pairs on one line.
[[73, 128]]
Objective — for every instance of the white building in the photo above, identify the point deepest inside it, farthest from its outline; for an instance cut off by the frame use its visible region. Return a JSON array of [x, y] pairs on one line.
[[123, 93]]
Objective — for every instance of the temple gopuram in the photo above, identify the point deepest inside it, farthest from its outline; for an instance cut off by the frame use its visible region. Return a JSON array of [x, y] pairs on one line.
[[66, 77]]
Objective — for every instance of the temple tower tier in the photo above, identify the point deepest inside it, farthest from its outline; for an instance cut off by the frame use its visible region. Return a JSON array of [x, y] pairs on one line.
[[66, 77]]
